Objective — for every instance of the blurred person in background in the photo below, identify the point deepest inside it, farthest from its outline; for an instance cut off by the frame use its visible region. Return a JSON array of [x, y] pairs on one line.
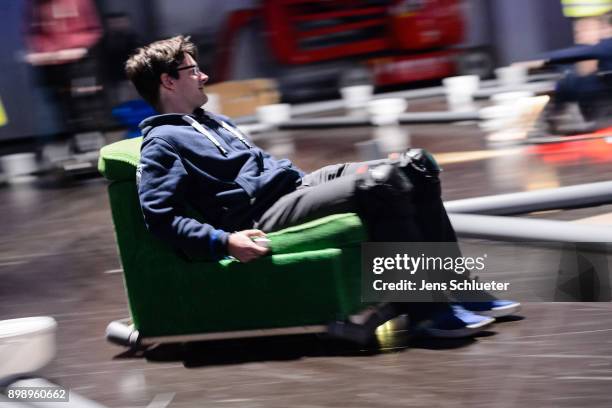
[[119, 41], [61, 36], [588, 80], [191, 158]]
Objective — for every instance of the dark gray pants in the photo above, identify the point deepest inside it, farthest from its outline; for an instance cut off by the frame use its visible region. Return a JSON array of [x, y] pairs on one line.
[[332, 190], [329, 190]]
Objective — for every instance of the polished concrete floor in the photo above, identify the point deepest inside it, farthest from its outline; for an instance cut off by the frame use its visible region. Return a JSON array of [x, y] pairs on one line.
[[58, 258]]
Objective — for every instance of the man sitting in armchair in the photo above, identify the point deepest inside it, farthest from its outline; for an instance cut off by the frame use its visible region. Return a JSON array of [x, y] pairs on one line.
[[191, 158]]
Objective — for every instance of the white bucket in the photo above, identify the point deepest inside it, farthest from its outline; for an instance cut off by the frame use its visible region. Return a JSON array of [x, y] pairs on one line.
[[504, 98], [274, 114], [26, 345], [356, 96], [19, 167], [460, 89], [498, 117], [386, 111], [391, 139], [512, 75], [497, 112]]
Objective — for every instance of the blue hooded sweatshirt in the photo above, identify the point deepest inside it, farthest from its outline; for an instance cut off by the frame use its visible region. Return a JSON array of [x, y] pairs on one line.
[[218, 175]]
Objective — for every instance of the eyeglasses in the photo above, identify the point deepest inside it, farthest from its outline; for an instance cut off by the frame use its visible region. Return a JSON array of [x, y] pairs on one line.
[[195, 70]]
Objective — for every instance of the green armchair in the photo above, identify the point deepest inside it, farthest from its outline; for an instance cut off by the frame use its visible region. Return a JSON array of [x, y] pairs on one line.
[[311, 278]]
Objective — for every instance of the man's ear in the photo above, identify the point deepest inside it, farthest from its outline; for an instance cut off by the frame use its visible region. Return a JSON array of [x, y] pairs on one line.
[[167, 81]]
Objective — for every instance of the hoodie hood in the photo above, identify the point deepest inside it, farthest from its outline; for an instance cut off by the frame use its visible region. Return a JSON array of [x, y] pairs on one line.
[[158, 120], [176, 119]]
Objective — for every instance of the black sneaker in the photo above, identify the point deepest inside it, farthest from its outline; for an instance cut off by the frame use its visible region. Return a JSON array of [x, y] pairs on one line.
[[361, 328]]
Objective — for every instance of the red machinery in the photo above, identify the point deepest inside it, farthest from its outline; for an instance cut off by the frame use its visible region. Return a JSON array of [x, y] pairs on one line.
[[397, 40]]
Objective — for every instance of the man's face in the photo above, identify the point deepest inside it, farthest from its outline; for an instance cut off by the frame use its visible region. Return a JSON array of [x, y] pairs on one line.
[[190, 83]]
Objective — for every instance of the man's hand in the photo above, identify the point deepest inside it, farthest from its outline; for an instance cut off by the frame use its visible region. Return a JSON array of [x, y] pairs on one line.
[[240, 245]]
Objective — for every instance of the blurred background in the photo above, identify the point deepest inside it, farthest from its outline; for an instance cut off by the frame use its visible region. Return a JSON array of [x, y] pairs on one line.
[[307, 50], [476, 82]]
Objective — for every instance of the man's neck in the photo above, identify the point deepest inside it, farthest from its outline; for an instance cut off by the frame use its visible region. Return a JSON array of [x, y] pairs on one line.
[[168, 106]]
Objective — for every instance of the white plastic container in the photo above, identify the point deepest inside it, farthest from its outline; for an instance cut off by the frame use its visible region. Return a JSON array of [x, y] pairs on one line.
[[512, 75], [460, 89], [19, 167], [391, 139], [497, 117], [274, 114], [356, 96], [497, 112], [26, 345], [386, 111], [510, 97]]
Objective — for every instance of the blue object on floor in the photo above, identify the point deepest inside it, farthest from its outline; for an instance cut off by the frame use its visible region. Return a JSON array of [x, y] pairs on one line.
[[131, 113]]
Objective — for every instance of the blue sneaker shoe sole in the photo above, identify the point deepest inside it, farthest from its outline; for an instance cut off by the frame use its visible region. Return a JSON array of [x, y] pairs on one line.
[[454, 322], [466, 331], [508, 308]]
